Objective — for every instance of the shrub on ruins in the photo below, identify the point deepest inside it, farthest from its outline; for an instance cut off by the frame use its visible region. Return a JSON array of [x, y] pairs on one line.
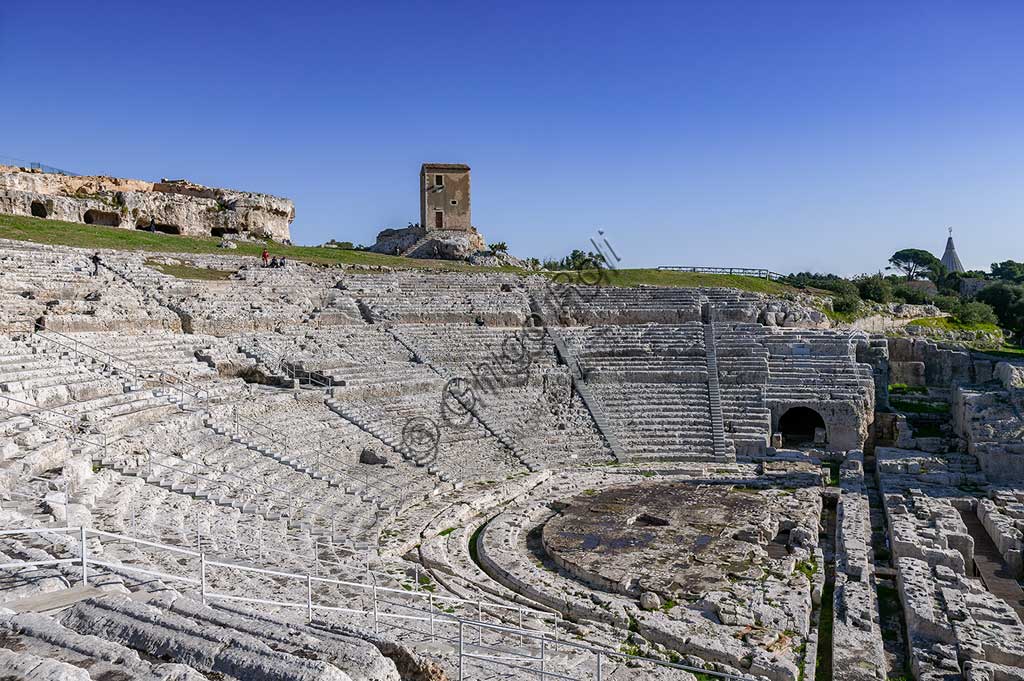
[[498, 247], [916, 263], [911, 296], [577, 260], [875, 288], [974, 312], [945, 303], [846, 304]]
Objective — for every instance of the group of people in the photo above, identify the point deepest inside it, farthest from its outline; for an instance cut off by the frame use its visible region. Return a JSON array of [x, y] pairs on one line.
[[272, 262]]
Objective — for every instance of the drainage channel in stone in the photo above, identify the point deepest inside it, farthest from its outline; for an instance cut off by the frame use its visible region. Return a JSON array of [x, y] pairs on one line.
[[827, 542], [890, 610]]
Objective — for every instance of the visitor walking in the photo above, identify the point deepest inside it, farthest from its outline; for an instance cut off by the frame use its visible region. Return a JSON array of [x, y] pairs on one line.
[[266, 257], [152, 225], [95, 263]]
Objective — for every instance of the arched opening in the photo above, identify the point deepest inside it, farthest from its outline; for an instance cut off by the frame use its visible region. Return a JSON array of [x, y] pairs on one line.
[[222, 231], [143, 226], [102, 217], [39, 209], [798, 424]]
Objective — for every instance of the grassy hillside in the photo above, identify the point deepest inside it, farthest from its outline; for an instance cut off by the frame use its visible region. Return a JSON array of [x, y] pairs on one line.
[[653, 277], [59, 233]]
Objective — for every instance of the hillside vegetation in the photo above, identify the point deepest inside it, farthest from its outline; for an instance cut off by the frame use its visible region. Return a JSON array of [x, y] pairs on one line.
[[58, 233]]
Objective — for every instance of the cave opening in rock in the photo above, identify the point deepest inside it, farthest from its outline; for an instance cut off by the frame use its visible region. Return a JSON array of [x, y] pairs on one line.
[[144, 226], [798, 424], [102, 217], [222, 231], [39, 209]]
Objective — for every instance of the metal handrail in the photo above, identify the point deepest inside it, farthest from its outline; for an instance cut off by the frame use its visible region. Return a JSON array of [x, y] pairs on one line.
[[758, 272], [278, 357], [76, 435], [432, 615], [74, 344]]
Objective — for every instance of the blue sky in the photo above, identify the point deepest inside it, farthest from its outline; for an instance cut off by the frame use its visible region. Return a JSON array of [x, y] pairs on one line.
[[787, 135]]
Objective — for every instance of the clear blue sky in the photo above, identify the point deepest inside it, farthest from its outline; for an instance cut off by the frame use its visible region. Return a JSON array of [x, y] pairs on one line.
[[788, 135]]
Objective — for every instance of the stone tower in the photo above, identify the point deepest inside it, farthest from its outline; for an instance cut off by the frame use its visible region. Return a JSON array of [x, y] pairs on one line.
[[950, 259], [444, 197]]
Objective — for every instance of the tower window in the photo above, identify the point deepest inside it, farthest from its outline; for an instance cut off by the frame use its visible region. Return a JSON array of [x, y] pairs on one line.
[[439, 180], [454, 202]]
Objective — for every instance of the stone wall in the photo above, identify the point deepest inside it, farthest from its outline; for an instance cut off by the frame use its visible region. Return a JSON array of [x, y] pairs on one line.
[[916, 361], [175, 206]]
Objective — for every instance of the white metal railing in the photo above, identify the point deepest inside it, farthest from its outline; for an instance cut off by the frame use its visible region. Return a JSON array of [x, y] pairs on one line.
[[36, 413], [760, 273], [279, 363], [79, 348], [524, 649]]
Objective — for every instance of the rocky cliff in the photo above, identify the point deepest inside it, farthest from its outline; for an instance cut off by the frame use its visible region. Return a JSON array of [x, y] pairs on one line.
[[173, 206]]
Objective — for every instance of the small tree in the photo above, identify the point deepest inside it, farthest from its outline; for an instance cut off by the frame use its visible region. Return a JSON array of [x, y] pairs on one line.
[[875, 288], [498, 247], [916, 263]]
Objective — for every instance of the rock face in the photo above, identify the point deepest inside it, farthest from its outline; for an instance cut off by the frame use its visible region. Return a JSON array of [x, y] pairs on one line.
[[173, 206], [442, 244]]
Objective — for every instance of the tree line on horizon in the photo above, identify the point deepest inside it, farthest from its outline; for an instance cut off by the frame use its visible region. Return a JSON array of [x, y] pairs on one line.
[[1000, 302]]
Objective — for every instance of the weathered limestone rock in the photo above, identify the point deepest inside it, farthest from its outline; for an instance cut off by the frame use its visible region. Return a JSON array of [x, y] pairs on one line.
[[370, 457], [172, 206], [440, 244]]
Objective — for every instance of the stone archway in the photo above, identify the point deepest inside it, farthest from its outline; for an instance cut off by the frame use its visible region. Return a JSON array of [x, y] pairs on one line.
[[798, 424]]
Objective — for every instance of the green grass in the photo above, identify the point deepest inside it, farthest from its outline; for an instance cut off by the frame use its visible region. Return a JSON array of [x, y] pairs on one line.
[[808, 568], [833, 472], [1007, 351], [904, 389], [189, 272], [823, 665], [654, 277], [950, 324], [57, 233], [844, 317]]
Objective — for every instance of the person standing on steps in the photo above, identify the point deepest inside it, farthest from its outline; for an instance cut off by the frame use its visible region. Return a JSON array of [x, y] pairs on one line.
[[95, 263], [266, 257]]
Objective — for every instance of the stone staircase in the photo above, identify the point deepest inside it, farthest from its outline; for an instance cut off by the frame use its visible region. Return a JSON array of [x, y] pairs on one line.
[[589, 399], [722, 447]]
